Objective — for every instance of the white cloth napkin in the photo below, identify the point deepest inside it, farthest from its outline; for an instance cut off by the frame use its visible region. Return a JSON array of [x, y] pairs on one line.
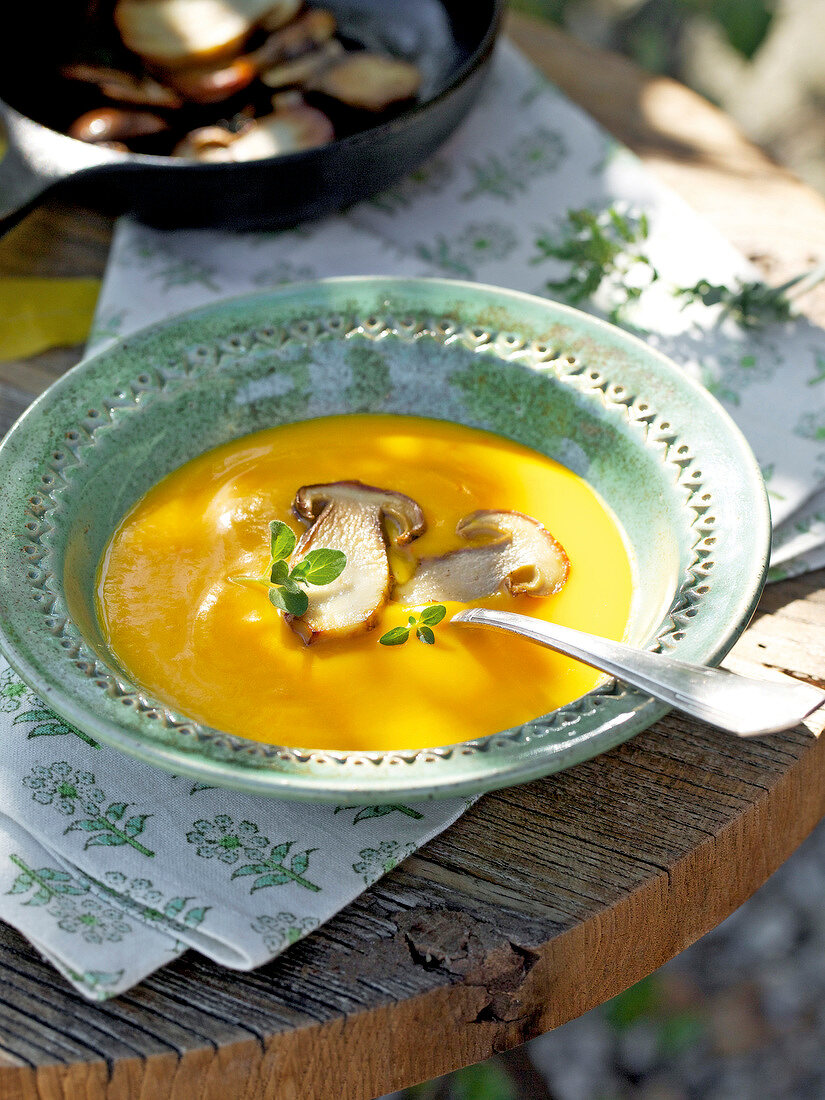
[[110, 884]]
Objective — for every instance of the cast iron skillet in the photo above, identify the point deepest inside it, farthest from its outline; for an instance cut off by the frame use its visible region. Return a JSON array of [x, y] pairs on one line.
[[451, 40]]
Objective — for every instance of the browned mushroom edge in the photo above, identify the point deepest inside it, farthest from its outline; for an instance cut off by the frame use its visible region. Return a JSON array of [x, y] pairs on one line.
[[349, 516], [521, 556]]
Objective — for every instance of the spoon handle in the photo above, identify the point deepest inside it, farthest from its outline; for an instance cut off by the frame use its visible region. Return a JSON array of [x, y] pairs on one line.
[[734, 703]]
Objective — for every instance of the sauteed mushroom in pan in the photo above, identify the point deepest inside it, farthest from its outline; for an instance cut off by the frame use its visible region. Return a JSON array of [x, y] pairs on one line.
[[204, 71]]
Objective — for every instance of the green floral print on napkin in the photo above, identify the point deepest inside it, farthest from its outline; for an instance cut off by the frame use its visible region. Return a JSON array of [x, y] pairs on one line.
[[376, 862], [44, 722], [283, 273], [70, 902], [93, 919], [63, 787], [534, 155], [274, 870], [429, 178], [68, 790], [99, 982], [283, 929], [364, 813], [47, 883], [173, 271], [12, 692], [478, 243], [819, 374], [150, 904], [226, 841]]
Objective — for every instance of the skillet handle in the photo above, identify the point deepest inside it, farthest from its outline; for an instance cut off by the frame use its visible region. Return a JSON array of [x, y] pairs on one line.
[[37, 159], [20, 188]]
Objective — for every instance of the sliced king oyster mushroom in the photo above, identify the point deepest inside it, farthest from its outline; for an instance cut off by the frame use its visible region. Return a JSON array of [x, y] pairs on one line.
[[286, 130], [349, 516], [108, 124], [305, 34], [176, 33], [368, 81], [137, 91], [208, 143], [280, 13], [523, 556], [214, 83], [289, 129], [304, 68]]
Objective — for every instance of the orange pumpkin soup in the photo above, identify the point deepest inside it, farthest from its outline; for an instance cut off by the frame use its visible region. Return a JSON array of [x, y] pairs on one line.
[[178, 621]]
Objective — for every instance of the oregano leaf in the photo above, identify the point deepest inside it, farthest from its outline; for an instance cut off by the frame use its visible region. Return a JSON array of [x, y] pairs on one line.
[[432, 615], [425, 635], [295, 603], [281, 540], [324, 566], [279, 572], [397, 636], [276, 598]]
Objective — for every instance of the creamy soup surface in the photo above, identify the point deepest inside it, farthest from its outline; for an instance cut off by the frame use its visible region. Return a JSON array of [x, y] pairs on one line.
[[219, 652]]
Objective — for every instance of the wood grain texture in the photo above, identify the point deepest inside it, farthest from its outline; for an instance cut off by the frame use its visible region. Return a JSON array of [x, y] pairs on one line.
[[543, 900]]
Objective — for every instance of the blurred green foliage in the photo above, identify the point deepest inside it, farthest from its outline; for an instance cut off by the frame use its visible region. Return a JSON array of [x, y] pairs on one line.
[[651, 32], [675, 1030], [485, 1081]]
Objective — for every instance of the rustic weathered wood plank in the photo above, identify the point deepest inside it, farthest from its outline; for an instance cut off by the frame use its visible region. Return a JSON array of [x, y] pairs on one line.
[[543, 900]]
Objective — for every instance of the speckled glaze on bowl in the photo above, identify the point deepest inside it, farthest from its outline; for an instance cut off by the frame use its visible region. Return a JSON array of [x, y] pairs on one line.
[[657, 447]]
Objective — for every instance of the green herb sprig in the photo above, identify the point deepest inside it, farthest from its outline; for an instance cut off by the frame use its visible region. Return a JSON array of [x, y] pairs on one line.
[[431, 616], [604, 245], [318, 567], [599, 245], [749, 304]]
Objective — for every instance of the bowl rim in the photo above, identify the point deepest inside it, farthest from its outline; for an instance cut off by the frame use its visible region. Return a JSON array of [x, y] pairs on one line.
[[336, 782]]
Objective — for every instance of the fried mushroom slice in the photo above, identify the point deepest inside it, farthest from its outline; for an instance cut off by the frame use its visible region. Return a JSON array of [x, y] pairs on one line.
[[304, 35], [212, 83], [173, 33], [368, 81], [289, 129], [107, 124], [357, 519], [301, 69], [522, 556], [211, 144], [123, 87]]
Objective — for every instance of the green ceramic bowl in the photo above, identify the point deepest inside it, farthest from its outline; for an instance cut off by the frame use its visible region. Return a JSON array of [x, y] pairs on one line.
[[657, 447]]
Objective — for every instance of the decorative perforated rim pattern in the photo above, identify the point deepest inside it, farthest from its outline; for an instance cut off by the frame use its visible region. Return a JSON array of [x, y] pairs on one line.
[[43, 510]]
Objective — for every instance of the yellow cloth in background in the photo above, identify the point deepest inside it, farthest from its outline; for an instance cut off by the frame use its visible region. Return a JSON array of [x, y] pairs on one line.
[[38, 313]]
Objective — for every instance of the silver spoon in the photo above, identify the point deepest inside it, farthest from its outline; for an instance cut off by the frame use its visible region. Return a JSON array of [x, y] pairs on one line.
[[734, 703]]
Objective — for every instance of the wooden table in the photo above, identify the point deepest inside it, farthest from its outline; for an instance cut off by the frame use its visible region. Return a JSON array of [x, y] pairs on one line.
[[543, 900]]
